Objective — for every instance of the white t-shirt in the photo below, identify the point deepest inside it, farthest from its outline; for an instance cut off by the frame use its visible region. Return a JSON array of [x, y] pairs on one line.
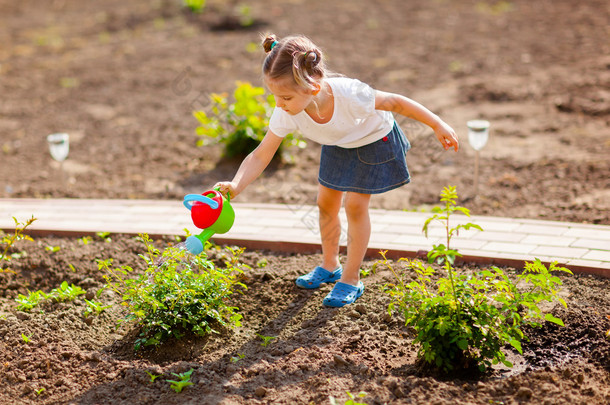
[[354, 123]]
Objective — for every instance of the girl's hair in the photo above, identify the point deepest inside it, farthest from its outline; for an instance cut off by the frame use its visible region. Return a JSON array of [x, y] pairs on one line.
[[294, 56]]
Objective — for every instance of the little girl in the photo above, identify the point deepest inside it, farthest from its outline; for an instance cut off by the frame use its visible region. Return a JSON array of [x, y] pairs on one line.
[[363, 151]]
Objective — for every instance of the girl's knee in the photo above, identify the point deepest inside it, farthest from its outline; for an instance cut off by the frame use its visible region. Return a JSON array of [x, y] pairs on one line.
[[357, 204], [329, 200]]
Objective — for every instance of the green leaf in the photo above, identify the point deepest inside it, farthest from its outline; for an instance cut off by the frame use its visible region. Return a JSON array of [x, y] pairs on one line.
[[462, 344], [551, 318]]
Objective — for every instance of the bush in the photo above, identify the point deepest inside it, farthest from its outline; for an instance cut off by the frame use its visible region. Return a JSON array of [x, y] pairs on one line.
[[240, 125], [185, 293], [463, 320]]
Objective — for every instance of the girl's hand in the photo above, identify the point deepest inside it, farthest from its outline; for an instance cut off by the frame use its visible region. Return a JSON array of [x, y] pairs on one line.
[[446, 136], [227, 188]]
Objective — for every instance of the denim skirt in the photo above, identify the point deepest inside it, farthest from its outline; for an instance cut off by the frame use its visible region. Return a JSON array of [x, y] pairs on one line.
[[370, 169]]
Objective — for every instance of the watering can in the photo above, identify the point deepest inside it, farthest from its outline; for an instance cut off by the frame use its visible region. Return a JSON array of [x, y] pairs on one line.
[[210, 211]]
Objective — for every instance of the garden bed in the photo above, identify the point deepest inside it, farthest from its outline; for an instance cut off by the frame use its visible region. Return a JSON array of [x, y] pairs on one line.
[[317, 352]]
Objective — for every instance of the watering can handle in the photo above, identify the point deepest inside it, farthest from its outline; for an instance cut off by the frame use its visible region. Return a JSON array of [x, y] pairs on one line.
[[228, 193], [199, 198]]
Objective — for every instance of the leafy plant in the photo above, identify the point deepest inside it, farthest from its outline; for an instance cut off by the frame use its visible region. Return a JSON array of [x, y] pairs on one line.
[[26, 338], [467, 319], [184, 381], [105, 236], [240, 125], [40, 391], [95, 307], [266, 339], [85, 240], [351, 400], [28, 302], [152, 376], [8, 241], [66, 292], [185, 293], [195, 6], [237, 357], [52, 249]]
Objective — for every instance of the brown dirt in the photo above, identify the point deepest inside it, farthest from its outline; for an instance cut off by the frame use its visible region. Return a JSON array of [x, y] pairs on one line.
[[122, 78], [319, 352]]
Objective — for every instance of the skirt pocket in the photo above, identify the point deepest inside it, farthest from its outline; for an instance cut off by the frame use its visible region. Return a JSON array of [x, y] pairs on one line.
[[378, 152]]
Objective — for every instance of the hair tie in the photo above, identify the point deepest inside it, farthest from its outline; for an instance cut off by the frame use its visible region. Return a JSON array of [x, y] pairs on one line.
[[272, 46]]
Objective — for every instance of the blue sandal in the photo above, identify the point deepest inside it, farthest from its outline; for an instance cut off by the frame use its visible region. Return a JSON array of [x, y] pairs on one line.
[[343, 294], [317, 276]]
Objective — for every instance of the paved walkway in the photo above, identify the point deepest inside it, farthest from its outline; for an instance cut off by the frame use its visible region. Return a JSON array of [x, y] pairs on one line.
[[285, 227]]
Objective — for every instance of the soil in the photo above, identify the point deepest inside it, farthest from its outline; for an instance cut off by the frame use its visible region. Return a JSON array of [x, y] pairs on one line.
[[123, 78], [318, 352]]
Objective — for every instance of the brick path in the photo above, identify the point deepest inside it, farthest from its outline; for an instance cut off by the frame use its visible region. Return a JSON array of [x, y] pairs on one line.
[[504, 241]]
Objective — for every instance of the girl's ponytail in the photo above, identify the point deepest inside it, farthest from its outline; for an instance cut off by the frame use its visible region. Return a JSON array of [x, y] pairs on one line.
[[269, 42]]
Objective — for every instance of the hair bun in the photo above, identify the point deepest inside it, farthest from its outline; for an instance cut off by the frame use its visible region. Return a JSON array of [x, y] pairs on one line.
[[268, 42], [311, 59]]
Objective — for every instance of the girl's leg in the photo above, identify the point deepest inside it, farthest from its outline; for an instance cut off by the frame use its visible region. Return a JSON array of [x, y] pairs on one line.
[[358, 234], [329, 203]]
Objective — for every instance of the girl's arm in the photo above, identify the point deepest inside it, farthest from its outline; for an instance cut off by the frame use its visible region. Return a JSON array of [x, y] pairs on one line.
[[252, 166], [412, 109]]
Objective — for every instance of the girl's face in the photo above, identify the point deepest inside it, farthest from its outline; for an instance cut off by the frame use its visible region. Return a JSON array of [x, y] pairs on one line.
[[289, 97]]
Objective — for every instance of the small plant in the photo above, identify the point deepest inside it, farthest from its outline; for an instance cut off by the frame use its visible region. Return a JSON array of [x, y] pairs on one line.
[[152, 376], [105, 236], [262, 263], [464, 320], [85, 240], [195, 6], [52, 249], [185, 293], [28, 302], [351, 400], [237, 357], [241, 125], [8, 240], [26, 338], [95, 307], [40, 391], [66, 292], [183, 382], [266, 339]]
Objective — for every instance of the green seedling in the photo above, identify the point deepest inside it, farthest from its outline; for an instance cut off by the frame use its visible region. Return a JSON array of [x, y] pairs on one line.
[[95, 307], [195, 6], [152, 376], [237, 358], [184, 381], [26, 338], [7, 241], [40, 391], [66, 292], [85, 240], [52, 249], [266, 339], [105, 236], [262, 263], [463, 320], [351, 400], [27, 302]]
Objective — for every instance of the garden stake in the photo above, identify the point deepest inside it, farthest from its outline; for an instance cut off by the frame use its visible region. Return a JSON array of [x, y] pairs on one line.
[[210, 211]]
